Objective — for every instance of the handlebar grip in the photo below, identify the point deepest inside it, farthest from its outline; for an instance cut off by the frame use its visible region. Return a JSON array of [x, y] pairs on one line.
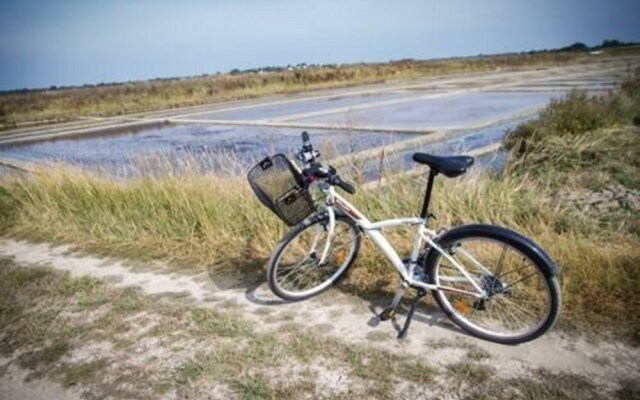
[[346, 186]]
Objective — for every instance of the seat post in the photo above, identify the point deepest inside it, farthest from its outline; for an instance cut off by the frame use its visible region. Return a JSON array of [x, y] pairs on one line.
[[427, 195]]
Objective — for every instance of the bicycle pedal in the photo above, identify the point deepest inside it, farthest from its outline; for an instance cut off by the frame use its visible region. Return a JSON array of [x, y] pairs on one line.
[[387, 314]]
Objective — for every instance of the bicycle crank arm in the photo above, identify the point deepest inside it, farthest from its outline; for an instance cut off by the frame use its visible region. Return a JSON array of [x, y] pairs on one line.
[[390, 311]]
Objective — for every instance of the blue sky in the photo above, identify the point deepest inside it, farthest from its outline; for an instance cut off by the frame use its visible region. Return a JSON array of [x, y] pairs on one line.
[[72, 42]]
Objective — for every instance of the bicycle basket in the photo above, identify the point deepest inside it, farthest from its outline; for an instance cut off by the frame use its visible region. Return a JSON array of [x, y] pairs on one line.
[[279, 186]]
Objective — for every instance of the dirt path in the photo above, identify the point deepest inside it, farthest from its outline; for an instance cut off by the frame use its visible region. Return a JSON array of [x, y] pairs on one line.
[[15, 385], [348, 318]]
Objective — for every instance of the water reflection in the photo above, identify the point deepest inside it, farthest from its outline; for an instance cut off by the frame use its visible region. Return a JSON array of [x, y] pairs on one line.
[[233, 149]]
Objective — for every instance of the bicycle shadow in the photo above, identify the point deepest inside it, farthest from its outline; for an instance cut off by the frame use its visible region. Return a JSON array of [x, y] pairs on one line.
[[244, 274], [426, 314], [248, 276], [237, 273]]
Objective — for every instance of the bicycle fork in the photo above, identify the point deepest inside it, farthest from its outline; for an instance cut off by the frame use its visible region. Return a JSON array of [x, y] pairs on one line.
[[330, 229]]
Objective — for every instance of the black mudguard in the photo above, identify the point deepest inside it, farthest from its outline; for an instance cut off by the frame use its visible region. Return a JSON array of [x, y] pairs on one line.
[[515, 239]]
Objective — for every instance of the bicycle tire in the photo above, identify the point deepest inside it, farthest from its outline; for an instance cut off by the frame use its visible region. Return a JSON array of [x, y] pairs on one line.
[[319, 220], [492, 243]]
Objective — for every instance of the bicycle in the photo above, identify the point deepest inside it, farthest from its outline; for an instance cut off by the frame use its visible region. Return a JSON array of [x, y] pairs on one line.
[[494, 283]]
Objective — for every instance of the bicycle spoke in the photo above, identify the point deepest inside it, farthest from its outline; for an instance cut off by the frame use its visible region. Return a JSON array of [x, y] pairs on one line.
[[305, 275], [499, 269], [297, 266], [509, 319], [298, 269], [512, 307], [302, 270], [522, 279], [517, 308]]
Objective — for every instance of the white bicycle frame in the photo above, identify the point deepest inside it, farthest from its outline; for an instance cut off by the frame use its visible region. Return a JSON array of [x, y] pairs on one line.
[[423, 235]]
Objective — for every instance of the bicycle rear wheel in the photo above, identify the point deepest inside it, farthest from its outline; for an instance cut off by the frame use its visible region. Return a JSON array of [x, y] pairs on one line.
[[295, 272], [520, 280]]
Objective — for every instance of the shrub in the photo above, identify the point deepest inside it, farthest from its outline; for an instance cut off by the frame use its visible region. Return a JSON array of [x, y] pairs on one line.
[[576, 114]]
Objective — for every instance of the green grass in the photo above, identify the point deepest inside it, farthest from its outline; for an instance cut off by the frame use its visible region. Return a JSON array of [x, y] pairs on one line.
[[542, 386], [47, 355], [547, 385], [189, 372], [474, 352], [419, 373], [254, 387], [82, 373], [209, 322], [132, 97], [470, 372]]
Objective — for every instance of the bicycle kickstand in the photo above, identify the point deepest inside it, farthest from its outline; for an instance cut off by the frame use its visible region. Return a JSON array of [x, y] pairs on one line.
[[414, 305]]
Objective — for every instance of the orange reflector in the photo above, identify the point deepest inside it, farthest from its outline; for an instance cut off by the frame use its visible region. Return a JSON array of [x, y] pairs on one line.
[[461, 307], [341, 256]]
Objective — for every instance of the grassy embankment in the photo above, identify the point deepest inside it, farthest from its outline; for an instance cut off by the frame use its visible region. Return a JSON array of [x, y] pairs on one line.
[[580, 148], [132, 97]]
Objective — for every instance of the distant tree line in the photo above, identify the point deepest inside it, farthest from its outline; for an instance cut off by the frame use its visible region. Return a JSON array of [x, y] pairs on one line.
[[581, 47]]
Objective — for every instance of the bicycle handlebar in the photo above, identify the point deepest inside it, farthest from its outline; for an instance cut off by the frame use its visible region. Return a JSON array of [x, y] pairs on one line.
[[315, 170], [346, 186]]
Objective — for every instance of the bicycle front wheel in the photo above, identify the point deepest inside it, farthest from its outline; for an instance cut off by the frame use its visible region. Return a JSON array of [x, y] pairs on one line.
[[523, 295], [297, 271]]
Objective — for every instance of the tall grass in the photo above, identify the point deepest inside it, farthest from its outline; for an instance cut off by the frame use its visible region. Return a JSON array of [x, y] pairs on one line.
[[186, 219], [196, 221], [573, 116]]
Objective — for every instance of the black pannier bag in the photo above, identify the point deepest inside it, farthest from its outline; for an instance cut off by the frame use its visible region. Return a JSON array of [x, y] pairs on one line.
[[280, 187]]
